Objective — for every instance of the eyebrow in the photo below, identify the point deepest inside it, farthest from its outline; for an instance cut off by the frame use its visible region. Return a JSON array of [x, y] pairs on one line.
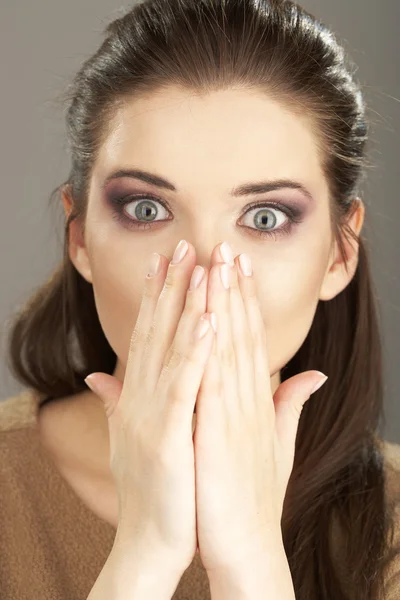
[[245, 189]]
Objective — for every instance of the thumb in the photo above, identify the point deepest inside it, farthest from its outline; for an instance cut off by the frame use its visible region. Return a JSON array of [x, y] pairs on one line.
[[107, 387], [289, 400]]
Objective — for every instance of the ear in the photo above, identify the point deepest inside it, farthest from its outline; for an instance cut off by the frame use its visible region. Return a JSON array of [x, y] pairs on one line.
[[336, 277], [76, 247]]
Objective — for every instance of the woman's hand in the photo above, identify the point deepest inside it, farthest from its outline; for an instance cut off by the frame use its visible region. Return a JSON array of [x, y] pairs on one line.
[[150, 420], [244, 439]]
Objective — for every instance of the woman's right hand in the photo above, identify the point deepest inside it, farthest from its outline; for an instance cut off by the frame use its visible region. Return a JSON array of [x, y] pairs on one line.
[[150, 416]]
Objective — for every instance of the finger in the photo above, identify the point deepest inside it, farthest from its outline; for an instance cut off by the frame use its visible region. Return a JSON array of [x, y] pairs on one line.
[[194, 308], [218, 257], [209, 396], [242, 343], [219, 303], [262, 379], [152, 288], [180, 386], [173, 304], [166, 315]]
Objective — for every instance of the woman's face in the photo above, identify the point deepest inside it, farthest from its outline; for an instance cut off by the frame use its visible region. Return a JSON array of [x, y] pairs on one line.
[[205, 146]]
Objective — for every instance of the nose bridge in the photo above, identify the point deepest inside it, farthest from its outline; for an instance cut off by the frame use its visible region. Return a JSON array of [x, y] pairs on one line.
[[206, 229], [206, 245]]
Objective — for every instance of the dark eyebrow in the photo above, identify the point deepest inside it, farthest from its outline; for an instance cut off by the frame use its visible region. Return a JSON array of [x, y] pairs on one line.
[[246, 189]]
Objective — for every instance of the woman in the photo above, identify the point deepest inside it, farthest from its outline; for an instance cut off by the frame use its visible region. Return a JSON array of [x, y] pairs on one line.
[[205, 122]]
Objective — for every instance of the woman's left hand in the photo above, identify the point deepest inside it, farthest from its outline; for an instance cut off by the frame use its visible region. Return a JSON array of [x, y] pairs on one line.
[[244, 438]]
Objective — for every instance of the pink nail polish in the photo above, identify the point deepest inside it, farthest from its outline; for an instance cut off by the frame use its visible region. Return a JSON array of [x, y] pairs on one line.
[[245, 265], [319, 384]]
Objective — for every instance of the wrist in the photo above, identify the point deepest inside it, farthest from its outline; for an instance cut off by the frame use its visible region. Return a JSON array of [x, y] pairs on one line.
[[130, 548], [141, 574], [265, 575]]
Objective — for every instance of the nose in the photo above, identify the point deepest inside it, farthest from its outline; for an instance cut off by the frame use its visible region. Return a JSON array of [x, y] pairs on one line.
[[222, 252]]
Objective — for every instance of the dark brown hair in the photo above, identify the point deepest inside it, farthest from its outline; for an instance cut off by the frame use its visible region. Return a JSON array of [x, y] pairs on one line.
[[56, 339]]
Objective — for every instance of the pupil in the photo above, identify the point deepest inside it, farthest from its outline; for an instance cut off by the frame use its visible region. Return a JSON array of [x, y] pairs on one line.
[[143, 212], [263, 220]]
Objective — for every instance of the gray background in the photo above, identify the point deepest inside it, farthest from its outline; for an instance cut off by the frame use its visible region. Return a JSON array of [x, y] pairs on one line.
[[43, 43]]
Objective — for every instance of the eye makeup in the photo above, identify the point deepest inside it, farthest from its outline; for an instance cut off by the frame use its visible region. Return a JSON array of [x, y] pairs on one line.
[[294, 212]]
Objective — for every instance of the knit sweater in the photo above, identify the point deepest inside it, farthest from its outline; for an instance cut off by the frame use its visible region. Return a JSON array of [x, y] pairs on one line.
[[53, 547]]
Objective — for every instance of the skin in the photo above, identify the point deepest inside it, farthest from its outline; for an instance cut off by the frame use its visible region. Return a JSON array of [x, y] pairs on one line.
[[205, 145]]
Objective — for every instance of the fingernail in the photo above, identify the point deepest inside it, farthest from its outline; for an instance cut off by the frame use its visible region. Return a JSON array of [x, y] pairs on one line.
[[202, 327], [196, 278], [89, 382], [245, 265], [320, 383], [154, 265], [180, 252], [226, 253]]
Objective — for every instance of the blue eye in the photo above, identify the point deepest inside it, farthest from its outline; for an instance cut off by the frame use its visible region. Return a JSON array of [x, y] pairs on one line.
[[145, 207]]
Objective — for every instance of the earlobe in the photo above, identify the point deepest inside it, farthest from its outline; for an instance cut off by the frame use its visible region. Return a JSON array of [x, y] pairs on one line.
[[76, 244], [81, 263], [341, 272]]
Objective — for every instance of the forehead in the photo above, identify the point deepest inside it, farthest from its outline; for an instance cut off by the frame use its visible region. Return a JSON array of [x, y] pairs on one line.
[[221, 137]]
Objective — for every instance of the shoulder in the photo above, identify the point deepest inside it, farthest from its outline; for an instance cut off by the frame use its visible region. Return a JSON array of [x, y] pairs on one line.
[[19, 411], [391, 457], [391, 461], [391, 452], [18, 419]]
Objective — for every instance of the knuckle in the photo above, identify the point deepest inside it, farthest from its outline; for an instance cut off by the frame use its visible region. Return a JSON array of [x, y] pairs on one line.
[[148, 337], [151, 331], [136, 339], [178, 359], [190, 360], [135, 335], [148, 292], [175, 359], [170, 280], [140, 339]]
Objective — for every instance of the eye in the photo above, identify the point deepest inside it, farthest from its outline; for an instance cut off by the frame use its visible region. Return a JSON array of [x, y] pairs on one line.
[[145, 210], [265, 218], [142, 212], [266, 223]]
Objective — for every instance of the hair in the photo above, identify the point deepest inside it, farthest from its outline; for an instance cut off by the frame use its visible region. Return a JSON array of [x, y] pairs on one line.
[[56, 339]]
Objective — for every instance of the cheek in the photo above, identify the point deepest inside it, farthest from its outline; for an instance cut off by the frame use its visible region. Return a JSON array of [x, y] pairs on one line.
[[118, 283], [289, 297]]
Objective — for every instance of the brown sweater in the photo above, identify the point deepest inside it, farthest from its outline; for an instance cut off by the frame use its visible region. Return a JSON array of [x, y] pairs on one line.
[[53, 547]]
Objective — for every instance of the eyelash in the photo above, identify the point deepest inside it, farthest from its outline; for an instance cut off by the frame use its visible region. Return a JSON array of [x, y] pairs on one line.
[[294, 215]]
